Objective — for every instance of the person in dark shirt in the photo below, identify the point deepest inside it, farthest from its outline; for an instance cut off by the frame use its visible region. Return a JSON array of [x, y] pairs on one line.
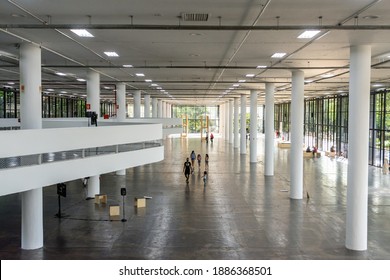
[[187, 169]]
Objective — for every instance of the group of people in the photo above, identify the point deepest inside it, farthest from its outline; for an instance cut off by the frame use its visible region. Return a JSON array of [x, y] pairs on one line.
[[189, 167], [211, 137]]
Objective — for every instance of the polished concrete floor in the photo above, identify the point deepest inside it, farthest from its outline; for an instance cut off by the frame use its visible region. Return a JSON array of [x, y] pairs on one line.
[[239, 214]]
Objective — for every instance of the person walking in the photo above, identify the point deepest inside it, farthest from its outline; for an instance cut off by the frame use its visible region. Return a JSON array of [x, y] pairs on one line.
[[192, 156], [211, 137], [206, 162], [199, 158], [187, 169]]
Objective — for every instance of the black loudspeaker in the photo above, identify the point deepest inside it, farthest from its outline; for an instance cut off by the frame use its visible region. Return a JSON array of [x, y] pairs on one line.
[[123, 191], [61, 189]]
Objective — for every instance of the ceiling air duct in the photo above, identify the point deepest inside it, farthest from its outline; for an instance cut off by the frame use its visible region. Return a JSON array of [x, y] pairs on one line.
[[194, 16]]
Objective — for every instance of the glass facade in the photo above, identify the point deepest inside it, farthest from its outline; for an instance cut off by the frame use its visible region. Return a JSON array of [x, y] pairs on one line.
[[196, 114]]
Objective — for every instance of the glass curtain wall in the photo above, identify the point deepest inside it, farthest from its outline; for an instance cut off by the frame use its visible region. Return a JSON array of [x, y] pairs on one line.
[[196, 114]]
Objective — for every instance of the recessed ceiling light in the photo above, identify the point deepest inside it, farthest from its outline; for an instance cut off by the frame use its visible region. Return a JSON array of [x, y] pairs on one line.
[[278, 55], [148, 80], [261, 66], [308, 34], [308, 81], [140, 74], [81, 80], [159, 88], [196, 34], [11, 83], [154, 85], [82, 33], [327, 75], [60, 74], [231, 88], [241, 81], [63, 91], [50, 89], [250, 75], [111, 54], [377, 85], [127, 65], [236, 85]]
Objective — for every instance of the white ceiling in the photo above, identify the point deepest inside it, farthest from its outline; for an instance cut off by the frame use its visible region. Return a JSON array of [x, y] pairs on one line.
[[200, 61]]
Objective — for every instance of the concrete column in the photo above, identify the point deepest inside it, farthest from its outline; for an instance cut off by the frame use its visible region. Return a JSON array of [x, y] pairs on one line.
[[121, 112], [358, 127], [31, 118], [168, 115], [231, 134], [221, 120], [93, 91], [164, 109], [269, 129], [121, 102], [296, 156], [93, 186], [236, 134], [154, 107], [227, 114], [137, 104], [253, 128], [147, 106], [159, 109], [243, 125]]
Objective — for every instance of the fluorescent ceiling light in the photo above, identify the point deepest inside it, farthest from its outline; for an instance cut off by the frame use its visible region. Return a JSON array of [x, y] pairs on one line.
[[140, 74], [241, 81], [154, 85], [308, 34], [50, 89], [127, 65], [377, 85], [308, 81], [111, 54], [63, 91], [328, 75], [278, 55], [261, 66], [158, 87], [81, 80], [250, 75], [231, 88], [148, 80], [60, 74], [236, 85], [82, 33]]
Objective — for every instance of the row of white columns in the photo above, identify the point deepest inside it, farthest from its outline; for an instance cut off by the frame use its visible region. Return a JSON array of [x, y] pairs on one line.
[[31, 118], [356, 230], [358, 127]]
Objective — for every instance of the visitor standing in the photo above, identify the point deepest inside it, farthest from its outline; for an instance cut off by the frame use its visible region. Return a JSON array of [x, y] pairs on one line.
[[199, 158], [187, 169], [192, 156], [206, 162]]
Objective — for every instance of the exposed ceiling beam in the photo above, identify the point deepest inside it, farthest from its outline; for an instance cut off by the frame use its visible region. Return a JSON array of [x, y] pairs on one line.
[[194, 27]]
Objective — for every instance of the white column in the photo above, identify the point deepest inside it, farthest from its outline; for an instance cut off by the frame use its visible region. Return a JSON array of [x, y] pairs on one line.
[[154, 107], [147, 106], [231, 134], [93, 98], [253, 128], [93, 91], [296, 155], [236, 134], [168, 115], [159, 109], [269, 130], [31, 118], [121, 112], [358, 127], [137, 104], [121, 101], [243, 125], [93, 186], [164, 109], [227, 131]]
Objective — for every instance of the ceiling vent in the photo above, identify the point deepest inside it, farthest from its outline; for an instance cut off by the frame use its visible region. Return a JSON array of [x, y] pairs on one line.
[[194, 17]]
